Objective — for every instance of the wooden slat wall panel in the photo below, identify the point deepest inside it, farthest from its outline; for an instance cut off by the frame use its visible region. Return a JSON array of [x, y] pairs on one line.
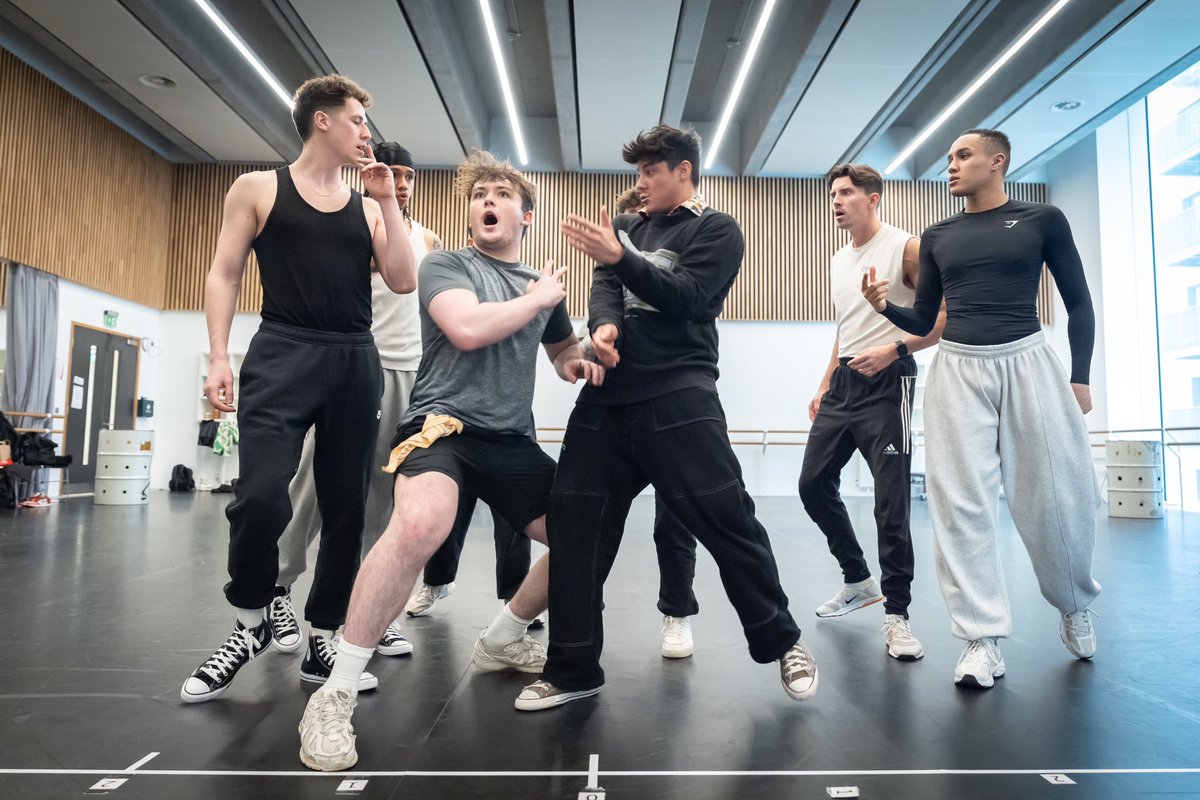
[[789, 229], [79, 198]]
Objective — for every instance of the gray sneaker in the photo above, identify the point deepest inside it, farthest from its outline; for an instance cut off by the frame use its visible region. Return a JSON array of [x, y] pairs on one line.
[[851, 597], [540, 695], [524, 655], [326, 734], [1078, 633], [798, 671]]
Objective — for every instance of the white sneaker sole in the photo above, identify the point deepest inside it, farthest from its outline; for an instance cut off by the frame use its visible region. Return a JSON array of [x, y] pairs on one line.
[[844, 610], [806, 693], [328, 764], [972, 681], [288, 647], [395, 650], [543, 703], [366, 683], [678, 652], [905, 656]]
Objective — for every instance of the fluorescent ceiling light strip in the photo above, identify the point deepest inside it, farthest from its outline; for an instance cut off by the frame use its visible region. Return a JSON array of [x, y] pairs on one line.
[[509, 103], [974, 87], [247, 54], [738, 84]]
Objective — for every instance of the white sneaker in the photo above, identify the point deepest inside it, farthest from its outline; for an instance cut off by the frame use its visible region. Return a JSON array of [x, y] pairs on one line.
[[851, 597], [524, 655], [1078, 633], [798, 671], [425, 598], [979, 665], [677, 637], [326, 734], [901, 644]]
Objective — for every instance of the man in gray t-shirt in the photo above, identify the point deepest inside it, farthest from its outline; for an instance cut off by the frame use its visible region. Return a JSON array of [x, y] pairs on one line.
[[468, 428], [490, 388]]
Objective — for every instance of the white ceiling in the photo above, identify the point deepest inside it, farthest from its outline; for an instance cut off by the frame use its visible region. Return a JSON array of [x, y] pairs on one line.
[[835, 78]]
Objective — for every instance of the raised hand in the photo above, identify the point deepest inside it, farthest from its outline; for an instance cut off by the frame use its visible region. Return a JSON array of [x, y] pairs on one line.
[[874, 290], [596, 240], [549, 289], [376, 177]]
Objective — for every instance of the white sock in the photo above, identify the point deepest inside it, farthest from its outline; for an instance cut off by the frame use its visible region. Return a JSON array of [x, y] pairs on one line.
[[348, 667], [250, 617], [505, 629]]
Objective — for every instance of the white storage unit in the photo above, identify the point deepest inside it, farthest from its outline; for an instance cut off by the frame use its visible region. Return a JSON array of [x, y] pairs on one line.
[[123, 467], [1135, 479]]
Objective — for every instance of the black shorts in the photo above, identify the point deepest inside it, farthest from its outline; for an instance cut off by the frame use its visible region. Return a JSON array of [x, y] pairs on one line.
[[509, 472]]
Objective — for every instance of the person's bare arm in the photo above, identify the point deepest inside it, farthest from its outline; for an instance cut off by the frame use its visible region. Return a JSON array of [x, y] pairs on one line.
[[239, 226]]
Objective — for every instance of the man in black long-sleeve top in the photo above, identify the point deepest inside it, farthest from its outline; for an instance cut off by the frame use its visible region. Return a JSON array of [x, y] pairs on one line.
[[1000, 409], [659, 285]]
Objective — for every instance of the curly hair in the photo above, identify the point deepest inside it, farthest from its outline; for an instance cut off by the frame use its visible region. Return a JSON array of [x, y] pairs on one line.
[[629, 200], [483, 167], [665, 143]]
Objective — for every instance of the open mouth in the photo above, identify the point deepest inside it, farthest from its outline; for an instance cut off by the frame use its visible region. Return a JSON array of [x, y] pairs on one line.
[[490, 218]]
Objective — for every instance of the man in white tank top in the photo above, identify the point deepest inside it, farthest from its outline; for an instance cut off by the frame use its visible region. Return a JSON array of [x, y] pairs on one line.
[[864, 403], [396, 326]]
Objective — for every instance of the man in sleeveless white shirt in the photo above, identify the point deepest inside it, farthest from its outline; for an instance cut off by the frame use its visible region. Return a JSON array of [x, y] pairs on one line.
[[865, 403], [396, 327]]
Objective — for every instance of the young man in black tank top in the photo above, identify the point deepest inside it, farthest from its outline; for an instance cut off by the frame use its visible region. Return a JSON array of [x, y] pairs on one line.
[[999, 407], [313, 360]]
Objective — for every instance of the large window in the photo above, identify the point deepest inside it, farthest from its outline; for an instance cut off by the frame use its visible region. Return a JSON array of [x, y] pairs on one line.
[[1173, 120]]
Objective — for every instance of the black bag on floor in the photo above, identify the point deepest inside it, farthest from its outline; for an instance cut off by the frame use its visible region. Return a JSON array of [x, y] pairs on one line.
[[37, 450], [181, 479]]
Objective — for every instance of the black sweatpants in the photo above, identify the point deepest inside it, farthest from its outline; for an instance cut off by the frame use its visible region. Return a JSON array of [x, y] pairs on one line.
[[871, 415], [678, 443], [676, 549], [512, 551], [291, 379]]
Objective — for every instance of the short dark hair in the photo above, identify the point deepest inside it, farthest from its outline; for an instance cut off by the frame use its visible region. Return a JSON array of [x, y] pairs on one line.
[[997, 142], [665, 143], [863, 176], [629, 200], [322, 94]]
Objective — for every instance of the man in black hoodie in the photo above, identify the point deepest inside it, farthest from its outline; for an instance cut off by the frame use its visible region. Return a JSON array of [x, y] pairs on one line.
[[660, 282]]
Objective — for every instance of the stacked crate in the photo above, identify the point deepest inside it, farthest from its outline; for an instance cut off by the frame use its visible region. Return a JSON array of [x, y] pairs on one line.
[[1135, 479]]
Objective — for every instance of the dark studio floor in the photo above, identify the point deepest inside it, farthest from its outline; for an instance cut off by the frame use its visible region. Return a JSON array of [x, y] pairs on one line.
[[109, 608]]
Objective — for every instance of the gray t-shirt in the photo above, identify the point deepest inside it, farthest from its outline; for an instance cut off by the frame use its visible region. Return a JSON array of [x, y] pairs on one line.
[[490, 388]]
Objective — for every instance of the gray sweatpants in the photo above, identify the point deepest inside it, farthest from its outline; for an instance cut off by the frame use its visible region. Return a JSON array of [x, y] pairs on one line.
[[1007, 413], [306, 517]]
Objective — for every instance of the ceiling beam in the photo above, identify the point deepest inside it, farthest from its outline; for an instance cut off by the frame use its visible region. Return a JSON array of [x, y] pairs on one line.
[[433, 27], [560, 34], [799, 48], [692, 16]]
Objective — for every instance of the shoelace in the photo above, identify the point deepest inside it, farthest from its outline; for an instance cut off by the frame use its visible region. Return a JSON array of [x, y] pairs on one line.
[[525, 650], [672, 626], [1080, 623], [392, 633], [796, 660], [540, 688], [326, 650], [897, 629], [979, 651], [283, 614], [335, 710], [240, 642]]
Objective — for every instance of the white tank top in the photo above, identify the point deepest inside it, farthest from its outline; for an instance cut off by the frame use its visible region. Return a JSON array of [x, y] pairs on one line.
[[860, 327], [395, 318]]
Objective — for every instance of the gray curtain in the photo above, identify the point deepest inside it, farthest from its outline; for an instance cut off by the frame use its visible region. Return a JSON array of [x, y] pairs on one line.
[[32, 347]]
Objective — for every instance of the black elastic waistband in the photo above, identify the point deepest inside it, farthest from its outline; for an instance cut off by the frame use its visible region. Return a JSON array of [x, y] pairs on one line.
[[317, 337], [846, 361]]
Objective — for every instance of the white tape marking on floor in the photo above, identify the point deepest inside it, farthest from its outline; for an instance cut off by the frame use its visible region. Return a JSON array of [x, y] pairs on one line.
[[134, 766]]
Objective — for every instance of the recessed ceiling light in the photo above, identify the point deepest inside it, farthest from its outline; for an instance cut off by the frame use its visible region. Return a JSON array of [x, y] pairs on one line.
[[509, 103], [1066, 105], [224, 27], [738, 83], [156, 81]]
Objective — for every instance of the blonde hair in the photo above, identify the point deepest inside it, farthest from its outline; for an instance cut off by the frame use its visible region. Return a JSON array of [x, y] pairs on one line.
[[483, 167]]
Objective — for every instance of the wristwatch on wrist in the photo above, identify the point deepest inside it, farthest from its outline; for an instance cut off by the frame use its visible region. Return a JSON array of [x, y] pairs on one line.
[[901, 348]]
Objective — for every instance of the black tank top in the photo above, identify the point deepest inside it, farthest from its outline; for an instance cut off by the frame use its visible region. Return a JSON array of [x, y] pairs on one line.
[[315, 266]]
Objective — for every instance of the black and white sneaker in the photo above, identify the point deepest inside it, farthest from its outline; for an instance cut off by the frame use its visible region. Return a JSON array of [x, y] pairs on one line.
[[213, 677], [393, 643], [318, 663], [285, 630]]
